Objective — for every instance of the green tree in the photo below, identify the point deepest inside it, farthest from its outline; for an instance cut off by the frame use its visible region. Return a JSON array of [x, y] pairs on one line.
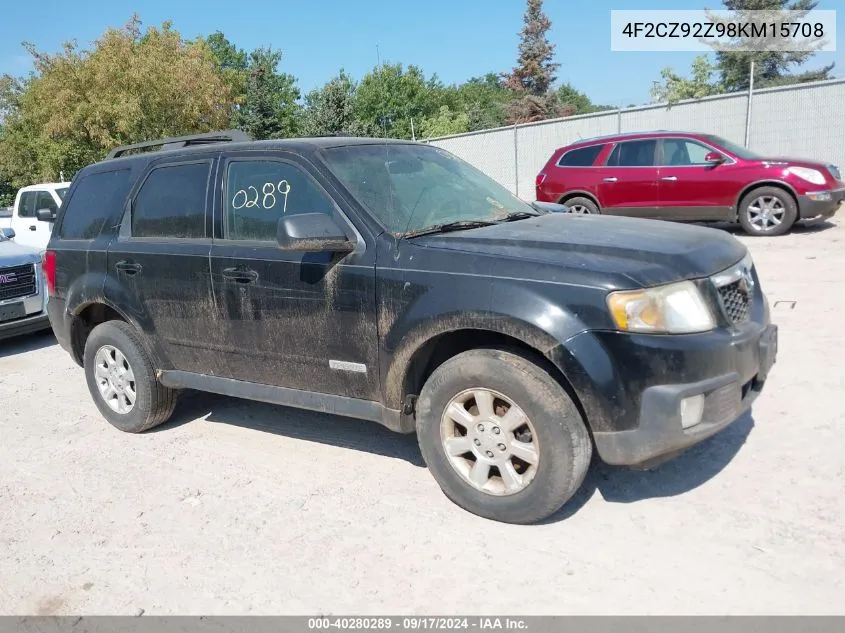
[[567, 95], [331, 109], [131, 86], [389, 97], [444, 123], [771, 68], [674, 87], [484, 100], [270, 106], [231, 62]]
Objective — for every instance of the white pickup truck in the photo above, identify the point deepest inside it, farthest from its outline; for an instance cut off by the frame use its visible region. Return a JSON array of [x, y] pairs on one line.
[[34, 212]]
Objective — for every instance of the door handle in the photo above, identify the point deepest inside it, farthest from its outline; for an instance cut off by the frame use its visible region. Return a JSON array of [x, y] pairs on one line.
[[610, 179], [240, 275], [130, 268], [32, 227], [670, 178]]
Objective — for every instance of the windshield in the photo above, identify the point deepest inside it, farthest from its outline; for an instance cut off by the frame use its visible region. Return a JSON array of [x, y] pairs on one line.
[[737, 150], [413, 187], [62, 192]]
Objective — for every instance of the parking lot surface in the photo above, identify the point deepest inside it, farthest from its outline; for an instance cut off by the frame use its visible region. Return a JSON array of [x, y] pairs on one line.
[[237, 507]]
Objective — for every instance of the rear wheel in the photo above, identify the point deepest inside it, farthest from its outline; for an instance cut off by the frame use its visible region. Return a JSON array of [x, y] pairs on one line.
[[501, 437], [582, 206], [121, 379], [767, 211]]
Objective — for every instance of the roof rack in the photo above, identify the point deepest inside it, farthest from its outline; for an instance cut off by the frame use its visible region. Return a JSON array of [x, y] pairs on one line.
[[175, 142]]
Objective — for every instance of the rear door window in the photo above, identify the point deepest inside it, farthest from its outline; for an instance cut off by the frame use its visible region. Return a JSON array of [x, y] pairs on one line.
[[633, 154], [581, 157], [94, 199], [171, 202]]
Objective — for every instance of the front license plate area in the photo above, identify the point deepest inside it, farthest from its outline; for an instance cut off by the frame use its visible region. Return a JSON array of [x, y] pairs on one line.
[[12, 311]]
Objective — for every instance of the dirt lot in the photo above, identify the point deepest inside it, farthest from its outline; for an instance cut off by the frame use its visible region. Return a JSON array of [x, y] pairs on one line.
[[237, 507]]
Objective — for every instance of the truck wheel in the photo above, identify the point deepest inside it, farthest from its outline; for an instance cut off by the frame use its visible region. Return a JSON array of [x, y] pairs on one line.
[[767, 211], [582, 206], [121, 379], [501, 437]]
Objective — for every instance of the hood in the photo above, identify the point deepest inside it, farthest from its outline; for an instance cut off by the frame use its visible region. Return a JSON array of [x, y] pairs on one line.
[[629, 252], [795, 162], [14, 254]]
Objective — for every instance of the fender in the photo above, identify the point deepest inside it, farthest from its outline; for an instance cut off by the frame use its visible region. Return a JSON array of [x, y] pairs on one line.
[[89, 290], [521, 312], [766, 182], [580, 192]]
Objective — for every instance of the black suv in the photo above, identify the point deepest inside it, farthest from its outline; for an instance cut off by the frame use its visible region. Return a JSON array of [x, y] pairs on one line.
[[391, 281]]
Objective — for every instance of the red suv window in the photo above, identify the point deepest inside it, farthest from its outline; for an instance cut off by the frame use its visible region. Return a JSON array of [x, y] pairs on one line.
[[633, 154], [581, 157]]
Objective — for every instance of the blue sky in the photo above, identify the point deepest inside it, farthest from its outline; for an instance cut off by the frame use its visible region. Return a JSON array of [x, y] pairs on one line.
[[456, 39]]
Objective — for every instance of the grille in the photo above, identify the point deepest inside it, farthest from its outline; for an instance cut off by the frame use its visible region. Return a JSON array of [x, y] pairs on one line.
[[735, 301], [834, 171], [17, 281]]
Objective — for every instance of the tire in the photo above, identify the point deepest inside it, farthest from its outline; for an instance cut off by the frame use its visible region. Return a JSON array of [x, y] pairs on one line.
[[153, 403], [588, 206], [772, 196], [559, 437]]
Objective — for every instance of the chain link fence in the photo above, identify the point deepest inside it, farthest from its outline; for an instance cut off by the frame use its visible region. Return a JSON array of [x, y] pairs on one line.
[[802, 121]]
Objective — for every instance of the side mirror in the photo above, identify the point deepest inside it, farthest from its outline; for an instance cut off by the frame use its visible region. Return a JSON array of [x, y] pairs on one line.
[[46, 215], [550, 207], [8, 233], [312, 232], [714, 158]]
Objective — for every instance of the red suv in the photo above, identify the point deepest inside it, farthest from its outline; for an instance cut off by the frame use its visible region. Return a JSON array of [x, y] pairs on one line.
[[689, 177]]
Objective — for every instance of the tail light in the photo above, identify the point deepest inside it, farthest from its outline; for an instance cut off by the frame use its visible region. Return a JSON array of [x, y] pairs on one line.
[[541, 178], [49, 266]]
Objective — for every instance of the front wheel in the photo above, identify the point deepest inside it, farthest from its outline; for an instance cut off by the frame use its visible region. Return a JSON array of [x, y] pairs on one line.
[[767, 211], [501, 437]]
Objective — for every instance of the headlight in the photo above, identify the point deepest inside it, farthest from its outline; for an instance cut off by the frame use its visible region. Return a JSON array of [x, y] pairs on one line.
[[810, 175], [676, 308]]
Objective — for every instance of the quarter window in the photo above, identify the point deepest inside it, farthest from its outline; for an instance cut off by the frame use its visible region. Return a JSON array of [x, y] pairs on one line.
[[171, 202], [633, 154], [581, 157], [260, 192], [95, 198]]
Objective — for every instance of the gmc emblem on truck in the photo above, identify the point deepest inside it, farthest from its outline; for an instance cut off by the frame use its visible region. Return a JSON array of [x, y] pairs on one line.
[[8, 278]]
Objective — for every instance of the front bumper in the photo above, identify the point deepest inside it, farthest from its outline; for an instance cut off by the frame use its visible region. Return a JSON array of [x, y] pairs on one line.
[[631, 386], [820, 203], [27, 325]]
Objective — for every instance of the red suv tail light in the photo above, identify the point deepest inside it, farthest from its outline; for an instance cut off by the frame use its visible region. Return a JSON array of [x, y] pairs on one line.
[[541, 178], [49, 265]]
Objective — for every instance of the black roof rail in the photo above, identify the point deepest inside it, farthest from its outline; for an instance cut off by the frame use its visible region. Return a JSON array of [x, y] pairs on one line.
[[175, 142]]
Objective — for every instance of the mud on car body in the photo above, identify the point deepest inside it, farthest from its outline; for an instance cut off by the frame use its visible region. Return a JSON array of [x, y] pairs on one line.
[[391, 281]]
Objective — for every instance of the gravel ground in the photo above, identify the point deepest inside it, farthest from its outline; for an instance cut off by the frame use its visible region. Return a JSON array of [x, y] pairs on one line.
[[236, 507]]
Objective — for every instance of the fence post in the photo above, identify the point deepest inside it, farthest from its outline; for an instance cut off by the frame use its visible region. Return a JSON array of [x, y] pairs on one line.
[[515, 160], [619, 121], [748, 112]]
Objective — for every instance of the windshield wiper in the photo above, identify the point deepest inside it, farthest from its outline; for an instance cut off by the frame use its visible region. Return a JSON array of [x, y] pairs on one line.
[[517, 215], [459, 225]]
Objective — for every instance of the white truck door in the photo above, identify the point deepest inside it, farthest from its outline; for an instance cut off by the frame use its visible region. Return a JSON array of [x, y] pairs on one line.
[[30, 231]]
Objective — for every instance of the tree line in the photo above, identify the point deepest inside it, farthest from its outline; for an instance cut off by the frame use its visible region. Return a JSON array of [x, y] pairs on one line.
[[139, 83]]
